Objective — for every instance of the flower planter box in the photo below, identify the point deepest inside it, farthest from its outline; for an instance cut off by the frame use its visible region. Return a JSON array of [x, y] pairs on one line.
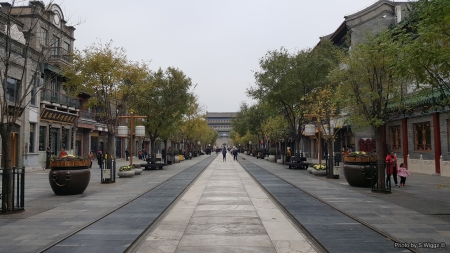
[[75, 163], [356, 159]]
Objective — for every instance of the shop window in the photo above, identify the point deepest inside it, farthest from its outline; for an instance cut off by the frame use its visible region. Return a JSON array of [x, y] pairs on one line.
[[396, 141], [42, 135], [422, 136]]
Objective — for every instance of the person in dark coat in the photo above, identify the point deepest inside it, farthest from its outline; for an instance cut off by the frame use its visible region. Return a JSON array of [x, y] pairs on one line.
[[235, 152], [127, 154], [224, 153], [391, 167]]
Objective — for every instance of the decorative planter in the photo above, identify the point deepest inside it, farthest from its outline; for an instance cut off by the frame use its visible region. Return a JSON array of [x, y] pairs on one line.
[[356, 159], [320, 173], [266, 158], [357, 170], [310, 170], [137, 171], [177, 159], [281, 160], [126, 173], [357, 175], [272, 158], [69, 177]]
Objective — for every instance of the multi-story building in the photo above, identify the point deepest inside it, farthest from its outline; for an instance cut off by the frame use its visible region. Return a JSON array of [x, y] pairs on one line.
[[419, 137], [221, 122], [51, 119]]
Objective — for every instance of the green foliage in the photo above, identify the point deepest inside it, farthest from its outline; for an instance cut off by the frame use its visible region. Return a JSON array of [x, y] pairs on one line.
[[423, 45], [126, 168], [164, 97], [368, 79]]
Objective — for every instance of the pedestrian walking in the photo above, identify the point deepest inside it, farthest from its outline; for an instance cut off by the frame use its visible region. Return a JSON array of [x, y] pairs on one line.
[[235, 152], [224, 153], [100, 158], [127, 154], [140, 154], [403, 173], [391, 168], [91, 158], [288, 154]]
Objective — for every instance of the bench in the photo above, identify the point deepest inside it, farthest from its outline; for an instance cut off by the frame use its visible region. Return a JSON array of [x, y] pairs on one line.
[[153, 163], [260, 155], [298, 162]]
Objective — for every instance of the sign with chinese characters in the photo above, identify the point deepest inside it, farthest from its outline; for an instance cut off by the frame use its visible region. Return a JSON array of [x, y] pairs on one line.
[[107, 174], [58, 116]]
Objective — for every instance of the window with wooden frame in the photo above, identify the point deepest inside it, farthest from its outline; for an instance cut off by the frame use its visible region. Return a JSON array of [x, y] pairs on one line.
[[422, 136], [396, 140]]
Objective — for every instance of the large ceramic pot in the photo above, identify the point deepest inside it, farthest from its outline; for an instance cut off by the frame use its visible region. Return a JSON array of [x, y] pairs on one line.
[[69, 177], [310, 170], [177, 159], [281, 160], [357, 175]]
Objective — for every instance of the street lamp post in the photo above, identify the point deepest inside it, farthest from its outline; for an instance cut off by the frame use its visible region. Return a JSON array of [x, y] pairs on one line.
[[132, 118]]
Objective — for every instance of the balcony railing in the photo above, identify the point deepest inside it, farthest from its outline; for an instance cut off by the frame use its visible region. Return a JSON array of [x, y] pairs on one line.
[[87, 115], [59, 55], [59, 98]]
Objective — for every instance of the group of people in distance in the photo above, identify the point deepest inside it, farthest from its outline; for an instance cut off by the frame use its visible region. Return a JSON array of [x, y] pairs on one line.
[[234, 151]]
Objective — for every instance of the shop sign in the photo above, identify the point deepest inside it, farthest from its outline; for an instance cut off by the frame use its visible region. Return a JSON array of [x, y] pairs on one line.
[[53, 115]]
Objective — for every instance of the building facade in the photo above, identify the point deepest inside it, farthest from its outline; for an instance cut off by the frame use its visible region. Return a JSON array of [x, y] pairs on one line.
[[419, 137], [221, 123]]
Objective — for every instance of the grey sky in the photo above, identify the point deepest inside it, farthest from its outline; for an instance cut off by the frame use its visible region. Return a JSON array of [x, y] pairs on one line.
[[216, 43]]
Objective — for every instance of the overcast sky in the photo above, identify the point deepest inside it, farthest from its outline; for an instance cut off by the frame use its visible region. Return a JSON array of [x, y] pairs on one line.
[[216, 43]]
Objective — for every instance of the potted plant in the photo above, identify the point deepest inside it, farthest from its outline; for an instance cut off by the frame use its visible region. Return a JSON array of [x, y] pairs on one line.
[[310, 169], [69, 174], [357, 168], [126, 171], [319, 169], [137, 169], [272, 153]]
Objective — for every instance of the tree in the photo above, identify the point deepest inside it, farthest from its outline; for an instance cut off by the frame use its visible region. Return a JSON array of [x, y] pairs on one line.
[[20, 65], [286, 79], [423, 46], [164, 98], [104, 71], [368, 78]]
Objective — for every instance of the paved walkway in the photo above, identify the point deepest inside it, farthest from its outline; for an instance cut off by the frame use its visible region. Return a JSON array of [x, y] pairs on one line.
[[417, 214], [49, 218], [226, 211]]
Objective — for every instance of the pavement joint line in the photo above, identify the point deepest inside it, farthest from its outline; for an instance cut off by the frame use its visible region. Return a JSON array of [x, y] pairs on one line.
[[385, 234], [136, 244], [71, 233], [315, 242]]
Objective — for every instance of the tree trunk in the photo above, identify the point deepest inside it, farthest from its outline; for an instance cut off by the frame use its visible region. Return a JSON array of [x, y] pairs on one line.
[[7, 177], [152, 152], [380, 159], [110, 150]]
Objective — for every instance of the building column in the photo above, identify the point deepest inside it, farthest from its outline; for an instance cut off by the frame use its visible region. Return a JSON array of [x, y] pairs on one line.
[[437, 142], [405, 141]]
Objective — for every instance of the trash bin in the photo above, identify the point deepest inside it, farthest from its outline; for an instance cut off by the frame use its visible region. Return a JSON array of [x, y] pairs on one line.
[[337, 171]]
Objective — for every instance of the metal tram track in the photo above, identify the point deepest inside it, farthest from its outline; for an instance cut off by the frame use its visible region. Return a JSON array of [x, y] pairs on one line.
[[138, 239], [303, 228]]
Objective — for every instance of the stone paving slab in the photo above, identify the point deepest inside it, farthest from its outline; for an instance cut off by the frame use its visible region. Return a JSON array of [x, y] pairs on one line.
[[218, 222]]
